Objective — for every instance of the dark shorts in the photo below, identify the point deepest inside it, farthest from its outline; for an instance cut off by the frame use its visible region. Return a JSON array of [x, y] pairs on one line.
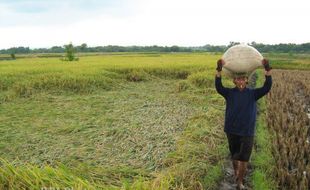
[[240, 147]]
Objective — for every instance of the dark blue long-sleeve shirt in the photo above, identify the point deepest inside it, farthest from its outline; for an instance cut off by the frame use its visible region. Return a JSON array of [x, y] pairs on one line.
[[240, 114]]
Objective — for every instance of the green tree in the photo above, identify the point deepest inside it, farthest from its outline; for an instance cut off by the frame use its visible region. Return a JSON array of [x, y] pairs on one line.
[[56, 49], [70, 51], [83, 47], [13, 56], [174, 49]]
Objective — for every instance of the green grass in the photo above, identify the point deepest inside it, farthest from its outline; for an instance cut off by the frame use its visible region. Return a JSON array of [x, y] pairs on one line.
[[289, 61], [262, 158], [110, 122]]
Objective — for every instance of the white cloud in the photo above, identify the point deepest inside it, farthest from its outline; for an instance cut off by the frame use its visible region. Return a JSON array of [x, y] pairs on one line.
[[160, 22]]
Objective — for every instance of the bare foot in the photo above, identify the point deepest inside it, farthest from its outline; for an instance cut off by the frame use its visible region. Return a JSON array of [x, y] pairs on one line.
[[240, 187]]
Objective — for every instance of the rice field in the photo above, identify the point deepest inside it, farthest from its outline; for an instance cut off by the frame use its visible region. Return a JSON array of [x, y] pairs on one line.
[[288, 119], [139, 121], [115, 121]]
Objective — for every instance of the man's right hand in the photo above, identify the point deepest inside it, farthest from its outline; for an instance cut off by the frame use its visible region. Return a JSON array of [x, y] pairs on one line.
[[220, 64]]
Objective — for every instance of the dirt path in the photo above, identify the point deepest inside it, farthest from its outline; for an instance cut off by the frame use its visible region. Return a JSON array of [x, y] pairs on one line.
[[228, 182]]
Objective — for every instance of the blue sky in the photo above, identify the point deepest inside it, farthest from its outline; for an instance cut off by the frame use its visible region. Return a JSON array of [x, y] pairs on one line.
[[39, 6], [57, 12], [38, 23]]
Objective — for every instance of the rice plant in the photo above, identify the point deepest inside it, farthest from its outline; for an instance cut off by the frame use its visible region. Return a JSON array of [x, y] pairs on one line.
[[288, 119]]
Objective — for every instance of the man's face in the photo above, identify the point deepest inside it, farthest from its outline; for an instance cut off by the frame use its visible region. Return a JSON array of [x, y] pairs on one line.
[[241, 82]]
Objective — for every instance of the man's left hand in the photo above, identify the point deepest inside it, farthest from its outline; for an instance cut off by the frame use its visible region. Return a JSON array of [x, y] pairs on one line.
[[266, 64]]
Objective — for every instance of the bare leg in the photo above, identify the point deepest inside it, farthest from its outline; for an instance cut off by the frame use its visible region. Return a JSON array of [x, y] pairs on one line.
[[241, 173], [235, 165]]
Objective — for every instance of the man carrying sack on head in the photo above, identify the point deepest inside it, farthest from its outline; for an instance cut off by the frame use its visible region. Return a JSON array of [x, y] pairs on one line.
[[240, 117]]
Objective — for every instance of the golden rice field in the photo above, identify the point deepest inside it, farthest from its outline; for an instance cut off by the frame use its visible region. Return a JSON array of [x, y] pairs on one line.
[[114, 121], [289, 121]]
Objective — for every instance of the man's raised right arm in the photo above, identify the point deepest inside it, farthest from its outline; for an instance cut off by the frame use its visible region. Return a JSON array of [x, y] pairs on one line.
[[218, 79]]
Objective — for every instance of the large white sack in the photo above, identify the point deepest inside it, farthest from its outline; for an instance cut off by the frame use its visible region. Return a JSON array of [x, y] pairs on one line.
[[241, 60]]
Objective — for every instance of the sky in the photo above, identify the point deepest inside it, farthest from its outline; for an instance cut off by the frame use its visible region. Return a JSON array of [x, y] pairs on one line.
[[47, 23]]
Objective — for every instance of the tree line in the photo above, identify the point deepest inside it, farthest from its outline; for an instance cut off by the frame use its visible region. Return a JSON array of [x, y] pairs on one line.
[[264, 48]]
